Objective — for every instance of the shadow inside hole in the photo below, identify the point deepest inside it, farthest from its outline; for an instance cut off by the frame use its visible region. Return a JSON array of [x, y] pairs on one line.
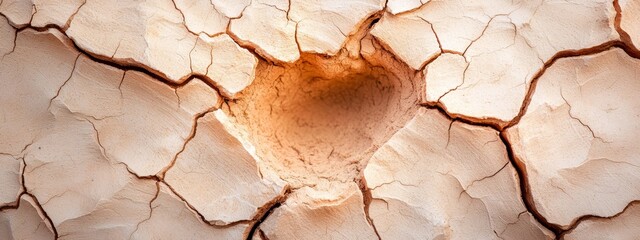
[[322, 119], [334, 119]]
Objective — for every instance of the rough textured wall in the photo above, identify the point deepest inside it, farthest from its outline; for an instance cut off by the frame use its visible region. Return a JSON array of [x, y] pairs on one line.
[[334, 119]]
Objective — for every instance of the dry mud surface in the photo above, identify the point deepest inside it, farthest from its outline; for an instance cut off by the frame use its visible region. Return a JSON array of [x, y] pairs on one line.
[[334, 119]]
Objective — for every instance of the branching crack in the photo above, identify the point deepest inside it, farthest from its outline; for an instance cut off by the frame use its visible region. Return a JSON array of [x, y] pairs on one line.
[[25, 191], [566, 54], [126, 66], [367, 198], [263, 213]]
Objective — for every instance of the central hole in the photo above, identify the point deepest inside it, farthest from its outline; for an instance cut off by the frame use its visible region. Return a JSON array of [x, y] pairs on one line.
[[318, 120]]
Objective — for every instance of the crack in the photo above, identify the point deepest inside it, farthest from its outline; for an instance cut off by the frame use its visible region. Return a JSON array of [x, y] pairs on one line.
[[295, 38], [104, 154], [367, 198], [424, 4], [624, 36], [501, 125], [25, 148], [13, 205], [75, 63], [579, 120], [195, 44], [434, 32], [192, 134], [262, 235], [288, 10], [150, 209], [242, 12], [206, 71], [392, 182], [519, 166], [432, 58], [15, 38], [253, 48], [125, 66], [510, 224], [118, 47], [579, 220], [124, 73], [22, 182], [16, 203], [184, 19], [493, 123], [44, 213], [73, 16], [263, 212], [202, 218], [359, 32], [16, 206], [266, 210], [34, 10], [487, 177], [449, 134], [464, 52], [525, 189], [215, 8], [566, 54], [464, 76], [38, 206]]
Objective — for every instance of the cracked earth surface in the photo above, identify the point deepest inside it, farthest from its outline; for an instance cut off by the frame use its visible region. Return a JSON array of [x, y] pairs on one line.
[[291, 119]]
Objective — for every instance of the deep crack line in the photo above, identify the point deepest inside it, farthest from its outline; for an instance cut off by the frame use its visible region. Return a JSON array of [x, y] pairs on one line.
[[367, 198], [624, 36], [35, 200], [624, 44], [138, 67], [525, 189], [606, 46], [579, 220], [269, 208]]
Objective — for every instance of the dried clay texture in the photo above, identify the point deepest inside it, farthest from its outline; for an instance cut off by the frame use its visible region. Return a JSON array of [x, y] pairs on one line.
[[293, 119]]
